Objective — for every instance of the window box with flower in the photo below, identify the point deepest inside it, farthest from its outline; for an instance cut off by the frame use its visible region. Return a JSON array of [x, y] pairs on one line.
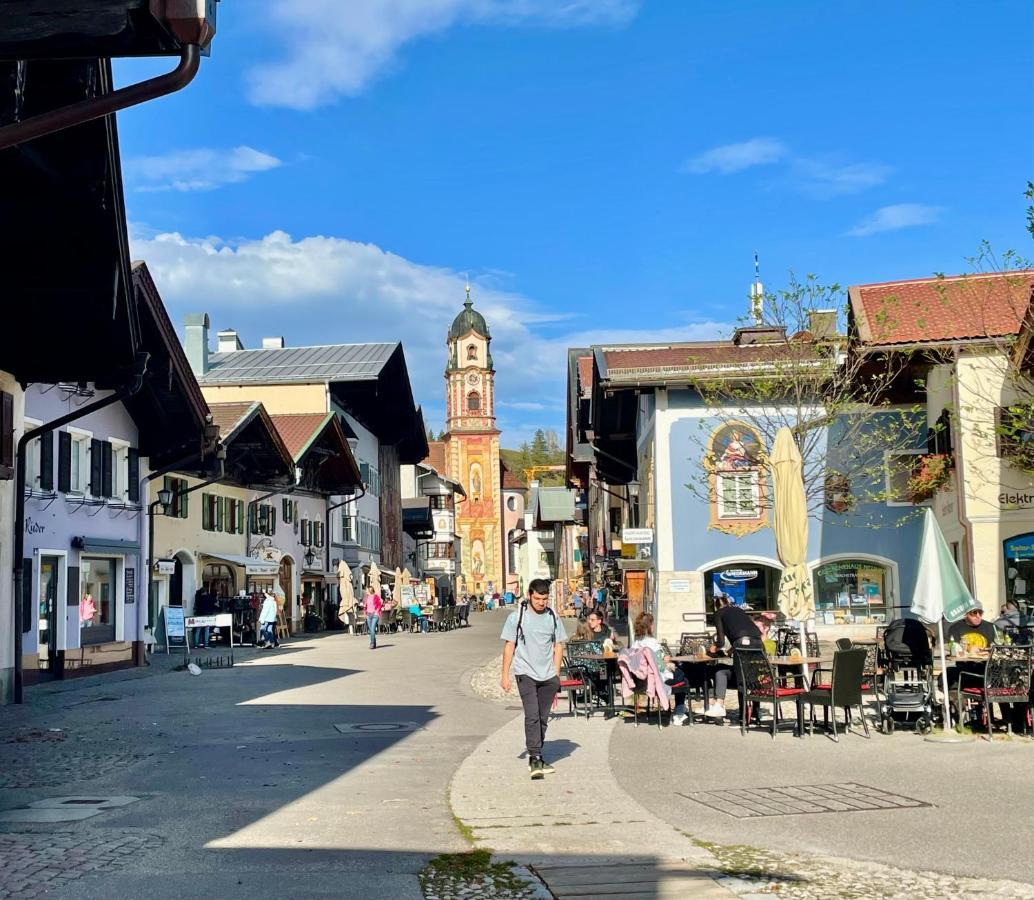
[[932, 472]]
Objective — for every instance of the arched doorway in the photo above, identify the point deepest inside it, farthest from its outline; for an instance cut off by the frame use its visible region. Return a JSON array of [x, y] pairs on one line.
[[751, 582], [182, 580], [287, 583]]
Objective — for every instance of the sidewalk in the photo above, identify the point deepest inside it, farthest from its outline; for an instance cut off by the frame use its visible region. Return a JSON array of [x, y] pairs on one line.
[[577, 829]]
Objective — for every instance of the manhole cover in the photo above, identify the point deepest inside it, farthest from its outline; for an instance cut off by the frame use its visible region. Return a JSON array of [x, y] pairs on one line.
[[64, 809], [802, 800], [376, 727]]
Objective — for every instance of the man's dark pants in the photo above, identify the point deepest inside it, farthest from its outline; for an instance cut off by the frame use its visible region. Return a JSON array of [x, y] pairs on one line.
[[537, 697]]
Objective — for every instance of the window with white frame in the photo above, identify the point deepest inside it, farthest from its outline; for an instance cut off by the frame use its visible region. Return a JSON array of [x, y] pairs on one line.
[[739, 495], [32, 458], [119, 470], [901, 467], [79, 468], [349, 527]]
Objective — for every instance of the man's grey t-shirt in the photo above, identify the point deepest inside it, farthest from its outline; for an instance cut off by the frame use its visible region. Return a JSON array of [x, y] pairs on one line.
[[534, 655]]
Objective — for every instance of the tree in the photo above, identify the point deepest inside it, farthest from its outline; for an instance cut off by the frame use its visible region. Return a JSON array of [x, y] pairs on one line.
[[844, 408]]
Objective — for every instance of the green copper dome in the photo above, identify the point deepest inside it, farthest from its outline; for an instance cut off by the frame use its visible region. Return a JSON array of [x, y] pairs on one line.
[[469, 320]]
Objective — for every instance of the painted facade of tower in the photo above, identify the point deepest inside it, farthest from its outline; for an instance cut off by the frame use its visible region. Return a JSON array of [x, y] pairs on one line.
[[472, 450]]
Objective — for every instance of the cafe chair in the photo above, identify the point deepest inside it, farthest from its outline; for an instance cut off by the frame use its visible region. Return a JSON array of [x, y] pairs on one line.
[[592, 671], [574, 683], [757, 682], [437, 619], [1006, 679], [838, 688], [843, 643]]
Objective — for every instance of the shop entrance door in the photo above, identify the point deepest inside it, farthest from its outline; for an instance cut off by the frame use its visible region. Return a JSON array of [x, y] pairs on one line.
[[48, 613]]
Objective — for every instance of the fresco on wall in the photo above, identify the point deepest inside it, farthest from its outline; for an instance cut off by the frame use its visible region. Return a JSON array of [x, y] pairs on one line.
[[738, 479]]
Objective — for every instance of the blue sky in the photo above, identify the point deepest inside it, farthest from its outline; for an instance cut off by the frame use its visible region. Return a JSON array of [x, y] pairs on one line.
[[602, 169]]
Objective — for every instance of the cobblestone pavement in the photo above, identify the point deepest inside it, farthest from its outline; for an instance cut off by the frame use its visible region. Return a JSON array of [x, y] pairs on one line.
[[37, 863], [473, 875], [750, 872], [485, 682]]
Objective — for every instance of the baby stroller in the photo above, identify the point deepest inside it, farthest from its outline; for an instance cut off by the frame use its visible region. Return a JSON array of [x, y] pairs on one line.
[[907, 696]]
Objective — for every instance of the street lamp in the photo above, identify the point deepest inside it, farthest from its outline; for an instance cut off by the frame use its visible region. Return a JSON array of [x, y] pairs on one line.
[[310, 557], [165, 499], [633, 489]]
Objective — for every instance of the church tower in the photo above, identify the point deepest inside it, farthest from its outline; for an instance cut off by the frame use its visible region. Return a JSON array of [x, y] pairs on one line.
[[472, 449]]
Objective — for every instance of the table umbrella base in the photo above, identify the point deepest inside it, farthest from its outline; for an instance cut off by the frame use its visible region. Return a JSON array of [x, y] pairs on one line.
[[950, 737]]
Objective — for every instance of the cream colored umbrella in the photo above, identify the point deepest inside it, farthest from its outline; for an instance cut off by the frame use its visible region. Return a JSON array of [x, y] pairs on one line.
[[375, 578], [791, 529], [396, 588], [344, 583]]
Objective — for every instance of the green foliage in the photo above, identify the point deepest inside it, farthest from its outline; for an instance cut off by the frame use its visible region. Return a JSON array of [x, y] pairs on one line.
[[544, 450]]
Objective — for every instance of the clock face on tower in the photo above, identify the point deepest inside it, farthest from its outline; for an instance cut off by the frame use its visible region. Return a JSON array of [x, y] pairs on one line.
[[473, 378]]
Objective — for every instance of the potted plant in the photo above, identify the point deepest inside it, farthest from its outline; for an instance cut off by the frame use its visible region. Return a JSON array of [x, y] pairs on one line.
[[932, 473]]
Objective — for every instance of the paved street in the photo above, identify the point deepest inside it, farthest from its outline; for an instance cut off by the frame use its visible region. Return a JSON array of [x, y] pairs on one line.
[[254, 782], [246, 787]]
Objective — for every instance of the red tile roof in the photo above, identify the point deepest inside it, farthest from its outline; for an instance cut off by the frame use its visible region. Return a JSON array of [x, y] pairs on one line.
[[436, 456], [227, 415], [298, 429], [689, 355], [584, 376], [942, 309], [510, 482]]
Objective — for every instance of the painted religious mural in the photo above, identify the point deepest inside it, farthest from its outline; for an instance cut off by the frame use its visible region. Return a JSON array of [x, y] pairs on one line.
[[735, 461], [472, 450]]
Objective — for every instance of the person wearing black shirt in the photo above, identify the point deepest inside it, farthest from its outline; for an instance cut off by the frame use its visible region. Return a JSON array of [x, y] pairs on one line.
[[973, 632], [732, 624]]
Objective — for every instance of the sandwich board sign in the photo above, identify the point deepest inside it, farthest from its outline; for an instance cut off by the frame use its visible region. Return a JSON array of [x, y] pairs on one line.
[[175, 631]]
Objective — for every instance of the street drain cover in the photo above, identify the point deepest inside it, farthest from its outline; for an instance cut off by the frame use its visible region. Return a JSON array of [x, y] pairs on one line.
[[64, 809], [376, 728], [802, 800]]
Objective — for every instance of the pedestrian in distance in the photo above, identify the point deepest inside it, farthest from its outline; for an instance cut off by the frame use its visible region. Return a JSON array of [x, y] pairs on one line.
[[267, 623], [372, 606], [533, 648]]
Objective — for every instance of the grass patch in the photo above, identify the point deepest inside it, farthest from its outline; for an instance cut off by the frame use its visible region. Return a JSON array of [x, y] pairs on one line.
[[466, 832], [451, 873]]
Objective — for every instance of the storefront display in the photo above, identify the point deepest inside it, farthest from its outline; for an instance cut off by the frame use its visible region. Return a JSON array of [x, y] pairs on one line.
[[97, 599], [750, 585], [1019, 568], [850, 589]]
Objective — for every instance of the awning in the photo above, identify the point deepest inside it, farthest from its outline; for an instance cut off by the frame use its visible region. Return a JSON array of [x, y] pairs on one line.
[[250, 564], [105, 545], [556, 505]]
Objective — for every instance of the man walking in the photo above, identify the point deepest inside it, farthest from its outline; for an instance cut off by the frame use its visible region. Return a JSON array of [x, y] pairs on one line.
[[534, 647]]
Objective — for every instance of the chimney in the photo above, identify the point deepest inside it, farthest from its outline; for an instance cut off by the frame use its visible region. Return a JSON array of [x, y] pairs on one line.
[[228, 341], [276, 343], [822, 323], [195, 342]]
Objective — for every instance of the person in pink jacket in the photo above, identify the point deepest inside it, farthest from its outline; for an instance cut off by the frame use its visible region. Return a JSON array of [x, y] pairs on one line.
[[372, 606]]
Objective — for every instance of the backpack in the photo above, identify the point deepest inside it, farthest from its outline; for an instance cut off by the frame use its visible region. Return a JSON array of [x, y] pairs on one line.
[[520, 619]]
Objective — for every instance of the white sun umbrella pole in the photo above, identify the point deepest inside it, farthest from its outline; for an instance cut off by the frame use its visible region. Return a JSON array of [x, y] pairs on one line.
[[940, 593], [796, 600]]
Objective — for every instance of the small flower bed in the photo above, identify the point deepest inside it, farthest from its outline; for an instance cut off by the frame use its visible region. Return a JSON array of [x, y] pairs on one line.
[[933, 473]]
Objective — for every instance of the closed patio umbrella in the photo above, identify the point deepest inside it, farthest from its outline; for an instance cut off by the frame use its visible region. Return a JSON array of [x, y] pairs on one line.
[[344, 584], [791, 530], [396, 588], [940, 593], [375, 578]]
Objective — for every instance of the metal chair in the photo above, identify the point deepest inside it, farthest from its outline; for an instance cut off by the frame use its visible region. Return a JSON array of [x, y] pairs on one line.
[[405, 620], [843, 689], [593, 670], [790, 639], [1006, 679], [757, 682], [573, 680], [437, 619], [463, 615], [844, 643], [450, 618]]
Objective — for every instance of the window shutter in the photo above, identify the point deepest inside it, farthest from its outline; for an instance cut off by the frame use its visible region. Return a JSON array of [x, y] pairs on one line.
[[64, 461], [253, 518], [133, 467], [220, 517], [206, 512], [106, 459], [46, 461], [96, 467], [238, 515], [272, 521], [305, 529], [6, 435], [181, 485]]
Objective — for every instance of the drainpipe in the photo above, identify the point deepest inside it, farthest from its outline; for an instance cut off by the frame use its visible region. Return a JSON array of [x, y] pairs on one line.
[[326, 516], [131, 386], [106, 104]]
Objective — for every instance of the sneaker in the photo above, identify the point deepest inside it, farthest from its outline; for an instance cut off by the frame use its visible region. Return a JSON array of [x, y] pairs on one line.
[[678, 719], [537, 770], [715, 712], [547, 769]]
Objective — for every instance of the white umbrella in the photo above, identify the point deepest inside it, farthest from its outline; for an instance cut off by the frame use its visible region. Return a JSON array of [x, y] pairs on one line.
[[375, 578], [344, 584], [940, 593], [791, 529], [396, 588]]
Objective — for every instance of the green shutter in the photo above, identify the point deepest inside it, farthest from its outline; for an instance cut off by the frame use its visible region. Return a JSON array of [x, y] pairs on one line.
[[206, 512]]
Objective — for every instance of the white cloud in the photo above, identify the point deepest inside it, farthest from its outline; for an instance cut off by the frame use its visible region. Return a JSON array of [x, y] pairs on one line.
[[900, 215], [334, 49], [730, 158], [202, 169], [827, 179], [319, 290]]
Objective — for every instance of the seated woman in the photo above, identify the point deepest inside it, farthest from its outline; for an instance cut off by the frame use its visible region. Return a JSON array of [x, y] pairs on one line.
[[418, 616], [598, 630], [671, 674], [732, 624]]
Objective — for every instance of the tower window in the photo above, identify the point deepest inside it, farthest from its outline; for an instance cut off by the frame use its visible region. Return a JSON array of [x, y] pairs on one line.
[[472, 351], [473, 402]]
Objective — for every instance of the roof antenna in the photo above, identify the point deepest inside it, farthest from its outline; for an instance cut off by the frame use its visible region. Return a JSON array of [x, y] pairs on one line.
[[757, 294]]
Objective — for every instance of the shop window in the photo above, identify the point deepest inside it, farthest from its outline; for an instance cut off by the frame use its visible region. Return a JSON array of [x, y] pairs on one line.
[[739, 495], [850, 589], [1019, 568], [219, 579], [473, 402], [97, 599], [901, 467], [748, 584]]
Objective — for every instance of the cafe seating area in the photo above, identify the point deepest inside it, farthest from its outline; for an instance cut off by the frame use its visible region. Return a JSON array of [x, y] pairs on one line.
[[853, 683]]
